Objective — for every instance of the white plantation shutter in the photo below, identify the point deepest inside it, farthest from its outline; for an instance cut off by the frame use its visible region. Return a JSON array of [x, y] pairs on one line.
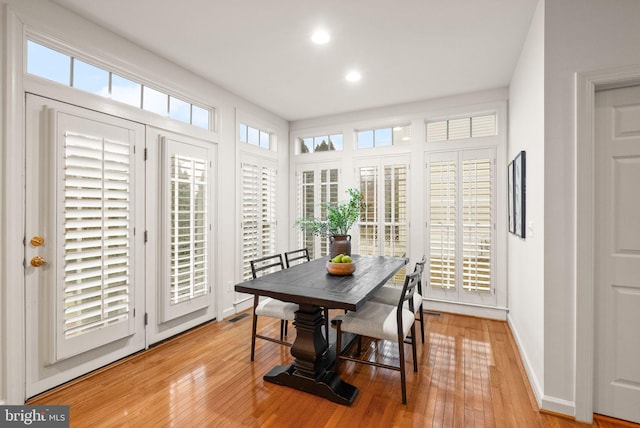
[[395, 210], [462, 128], [328, 190], [186, 174], [369, 217], [97, 232], [461, 201], [94, 189], [477, 236], [395, 215], [258, 206], [384, 223], [442, 197], [316, 188], [306, 209]]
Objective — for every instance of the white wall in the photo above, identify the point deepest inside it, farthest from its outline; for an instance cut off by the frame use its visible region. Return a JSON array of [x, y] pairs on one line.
[[525, 269], [44, 16], [580, 35], [565, 37]]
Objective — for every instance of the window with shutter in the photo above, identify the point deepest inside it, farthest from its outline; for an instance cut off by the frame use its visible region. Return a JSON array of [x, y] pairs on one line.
[[461, 128], [258, 211], [384, 222], [369, 227], [477, 236], [460, 232], [97, 233], [317, 187], [442, 223], [186, 174]]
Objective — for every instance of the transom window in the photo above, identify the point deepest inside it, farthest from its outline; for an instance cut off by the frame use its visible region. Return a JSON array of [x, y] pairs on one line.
[[255, 137], [65, 69], [381, 137], [461, 128], [321, 143]]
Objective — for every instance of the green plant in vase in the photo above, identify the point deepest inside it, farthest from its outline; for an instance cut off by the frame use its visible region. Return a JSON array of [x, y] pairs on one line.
[[340, 218]]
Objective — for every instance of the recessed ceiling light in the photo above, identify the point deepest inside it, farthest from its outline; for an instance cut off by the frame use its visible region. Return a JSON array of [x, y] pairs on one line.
[[353, 76], [320, 37]]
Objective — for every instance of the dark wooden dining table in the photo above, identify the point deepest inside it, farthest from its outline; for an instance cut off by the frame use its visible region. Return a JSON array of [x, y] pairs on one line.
[[313, 288]]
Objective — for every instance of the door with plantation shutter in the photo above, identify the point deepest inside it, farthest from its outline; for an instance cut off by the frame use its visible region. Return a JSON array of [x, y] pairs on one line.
[[461, 226], [84, 255], [384, 221], [186, 228], [317, 187], [258, 210]]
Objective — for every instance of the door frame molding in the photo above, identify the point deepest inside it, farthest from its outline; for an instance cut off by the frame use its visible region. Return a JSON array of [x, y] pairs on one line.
[[586, 85], [13, 215]]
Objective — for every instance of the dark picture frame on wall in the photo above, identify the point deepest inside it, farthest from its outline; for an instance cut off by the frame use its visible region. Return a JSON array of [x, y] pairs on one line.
[[518, 171], [512, 220]]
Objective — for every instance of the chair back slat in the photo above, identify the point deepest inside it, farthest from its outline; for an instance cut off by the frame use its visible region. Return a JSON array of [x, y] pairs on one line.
[[420, 266], [295, 255], [408, 289], [266, 263]]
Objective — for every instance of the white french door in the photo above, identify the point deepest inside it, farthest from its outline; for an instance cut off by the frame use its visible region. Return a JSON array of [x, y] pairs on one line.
[[317, 186], [384, 222], [84, 247], [461, 226], [180, 250], [258, 210]]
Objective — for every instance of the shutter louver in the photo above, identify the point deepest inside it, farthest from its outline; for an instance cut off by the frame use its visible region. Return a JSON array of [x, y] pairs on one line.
[[318, 187], [442, 224], [395, 212], [369, 233], [188, 229], [307, 188], [461, 225], [483, 126], [477, 219], [97, 247], [258, 213]]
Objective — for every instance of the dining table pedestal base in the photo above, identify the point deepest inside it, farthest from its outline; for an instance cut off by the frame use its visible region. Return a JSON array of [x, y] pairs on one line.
[[314, 356], [328, 385]]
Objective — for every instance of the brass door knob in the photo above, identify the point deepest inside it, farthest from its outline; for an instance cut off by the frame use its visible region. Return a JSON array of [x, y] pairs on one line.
[[38, 261], [37, 241]]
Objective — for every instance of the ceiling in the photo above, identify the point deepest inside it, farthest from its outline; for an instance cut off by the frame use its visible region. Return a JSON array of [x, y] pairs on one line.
[[405, 50]]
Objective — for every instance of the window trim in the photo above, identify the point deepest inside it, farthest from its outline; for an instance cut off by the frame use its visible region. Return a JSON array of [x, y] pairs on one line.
[[469, 116], [66, 49], [392, 128]]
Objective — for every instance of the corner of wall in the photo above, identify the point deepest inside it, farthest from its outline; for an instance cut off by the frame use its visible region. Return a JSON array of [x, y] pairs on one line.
[[534, 381]]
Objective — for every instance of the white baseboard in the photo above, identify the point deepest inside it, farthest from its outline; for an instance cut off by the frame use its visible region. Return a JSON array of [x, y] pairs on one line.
[[238, 306], [465, 309], [227, 313], [545, 402], [558, 405], [533, 380]]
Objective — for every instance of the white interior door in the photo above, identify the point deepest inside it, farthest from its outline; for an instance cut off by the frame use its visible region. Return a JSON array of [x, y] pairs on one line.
[[84, 246], [617, 270]]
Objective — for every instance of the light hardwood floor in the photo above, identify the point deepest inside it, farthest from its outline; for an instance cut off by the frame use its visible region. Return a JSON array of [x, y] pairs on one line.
[[469, 375]]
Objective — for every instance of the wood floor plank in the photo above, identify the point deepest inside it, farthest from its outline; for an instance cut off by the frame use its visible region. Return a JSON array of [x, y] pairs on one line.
[[469, 375]]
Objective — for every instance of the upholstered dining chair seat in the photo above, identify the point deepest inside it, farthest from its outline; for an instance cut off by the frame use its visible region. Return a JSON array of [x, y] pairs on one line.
[[377, 320], [275, 308], [390, 295], [385, 322]]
